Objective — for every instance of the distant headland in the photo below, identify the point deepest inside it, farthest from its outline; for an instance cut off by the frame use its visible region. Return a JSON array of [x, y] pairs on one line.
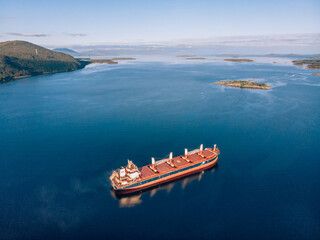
[[245, 84]]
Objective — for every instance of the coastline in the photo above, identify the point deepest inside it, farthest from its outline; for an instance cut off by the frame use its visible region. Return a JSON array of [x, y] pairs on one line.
[[83, 64]]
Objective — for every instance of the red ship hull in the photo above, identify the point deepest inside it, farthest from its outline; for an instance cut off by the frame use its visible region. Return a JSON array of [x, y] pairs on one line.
[[203, 166]]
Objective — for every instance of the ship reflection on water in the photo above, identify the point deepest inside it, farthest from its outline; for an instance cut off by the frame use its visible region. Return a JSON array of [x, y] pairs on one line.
[[134, 199]]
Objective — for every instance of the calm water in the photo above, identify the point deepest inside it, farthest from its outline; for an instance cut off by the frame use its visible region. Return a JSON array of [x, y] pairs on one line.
[[62, 134]]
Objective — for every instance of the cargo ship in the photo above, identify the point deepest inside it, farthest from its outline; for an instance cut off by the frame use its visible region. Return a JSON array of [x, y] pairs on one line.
[[132, 179]]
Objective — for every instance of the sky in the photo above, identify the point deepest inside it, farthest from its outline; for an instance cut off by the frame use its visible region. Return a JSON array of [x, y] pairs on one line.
[[93, 22]]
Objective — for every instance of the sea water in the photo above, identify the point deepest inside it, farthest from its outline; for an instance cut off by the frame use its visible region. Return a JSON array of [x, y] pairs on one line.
[[61, 135]]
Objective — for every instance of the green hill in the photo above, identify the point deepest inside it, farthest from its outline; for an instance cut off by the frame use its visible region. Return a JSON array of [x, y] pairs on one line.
[[20, 59]]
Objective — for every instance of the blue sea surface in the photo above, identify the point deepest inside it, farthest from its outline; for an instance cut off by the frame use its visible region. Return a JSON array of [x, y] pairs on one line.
[[61, 135]]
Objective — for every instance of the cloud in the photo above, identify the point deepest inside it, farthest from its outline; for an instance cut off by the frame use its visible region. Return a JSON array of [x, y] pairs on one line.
[[264, 40], [275, 40], [76, 34], [28, 34]]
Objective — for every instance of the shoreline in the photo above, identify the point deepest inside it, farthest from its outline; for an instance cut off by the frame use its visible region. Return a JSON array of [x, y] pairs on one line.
[[83, 62]]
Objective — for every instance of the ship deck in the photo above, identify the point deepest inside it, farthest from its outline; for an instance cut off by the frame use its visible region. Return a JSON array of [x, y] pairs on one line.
[[179, 162]]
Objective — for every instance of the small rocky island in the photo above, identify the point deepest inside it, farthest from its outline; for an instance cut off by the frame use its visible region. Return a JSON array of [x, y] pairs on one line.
[[238, 60], [123, 58], [311, 63], [105, 60], [90, 60], [245, 84]]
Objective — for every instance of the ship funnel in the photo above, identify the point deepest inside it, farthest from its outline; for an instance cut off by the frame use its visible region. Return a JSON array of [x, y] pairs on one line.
[[153, 161], [214, 147], [185, 152], [170, 156], [201, 147]]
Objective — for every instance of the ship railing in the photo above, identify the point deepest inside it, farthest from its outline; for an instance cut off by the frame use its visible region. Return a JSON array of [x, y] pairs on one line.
[[194, 151], [167, 159], [162, 161]]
